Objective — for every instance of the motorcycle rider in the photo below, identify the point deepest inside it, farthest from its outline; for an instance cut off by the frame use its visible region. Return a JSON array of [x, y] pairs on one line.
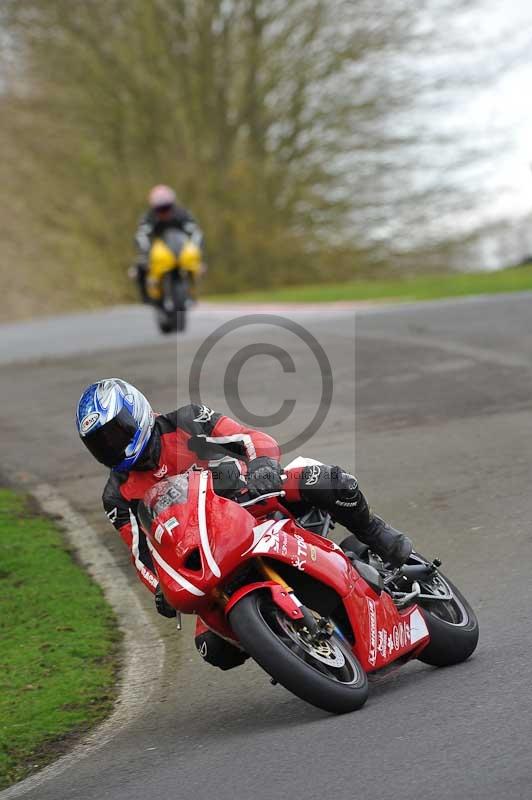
[[118, 426], [163, 213]]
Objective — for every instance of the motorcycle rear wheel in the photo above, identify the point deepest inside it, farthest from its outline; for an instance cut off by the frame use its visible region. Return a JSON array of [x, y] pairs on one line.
[[327, 675], [452, 624]]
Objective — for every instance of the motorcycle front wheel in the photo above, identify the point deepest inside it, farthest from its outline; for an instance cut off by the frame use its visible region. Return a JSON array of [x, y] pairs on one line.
[[180, 297], [172, 313], [325, 673]]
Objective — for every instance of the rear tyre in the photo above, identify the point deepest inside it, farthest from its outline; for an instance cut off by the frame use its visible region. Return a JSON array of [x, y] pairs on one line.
[[452, 624], [327, 675]]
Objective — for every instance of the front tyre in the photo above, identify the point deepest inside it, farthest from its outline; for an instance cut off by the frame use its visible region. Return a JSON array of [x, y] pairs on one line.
[[325, 673], [165, 323], [180, 298]]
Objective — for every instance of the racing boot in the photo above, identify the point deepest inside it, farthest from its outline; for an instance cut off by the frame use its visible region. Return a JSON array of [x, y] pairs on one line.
[[388, 543]]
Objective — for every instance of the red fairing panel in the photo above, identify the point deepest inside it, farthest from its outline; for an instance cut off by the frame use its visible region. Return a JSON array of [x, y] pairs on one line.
[[382, 632], [288, 542], [194, 544]]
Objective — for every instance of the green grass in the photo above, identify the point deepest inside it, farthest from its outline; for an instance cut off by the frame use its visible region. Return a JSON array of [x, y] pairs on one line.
[[421, 287], [58, 643]]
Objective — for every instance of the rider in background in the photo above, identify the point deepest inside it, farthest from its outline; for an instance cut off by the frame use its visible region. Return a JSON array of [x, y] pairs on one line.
[[163, 213]]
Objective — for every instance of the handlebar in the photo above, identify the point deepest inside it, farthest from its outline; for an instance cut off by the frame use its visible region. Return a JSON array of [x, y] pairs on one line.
[[262, 497]]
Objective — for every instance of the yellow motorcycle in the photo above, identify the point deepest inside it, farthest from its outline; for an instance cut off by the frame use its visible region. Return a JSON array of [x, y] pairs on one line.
[[174, 266]]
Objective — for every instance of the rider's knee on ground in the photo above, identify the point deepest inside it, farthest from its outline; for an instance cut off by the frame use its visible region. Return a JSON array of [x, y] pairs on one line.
[[218, 651]]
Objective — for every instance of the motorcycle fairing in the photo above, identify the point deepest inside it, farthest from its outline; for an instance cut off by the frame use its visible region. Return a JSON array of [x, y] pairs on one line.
[[381, 632], [163, 259], [190, 556]]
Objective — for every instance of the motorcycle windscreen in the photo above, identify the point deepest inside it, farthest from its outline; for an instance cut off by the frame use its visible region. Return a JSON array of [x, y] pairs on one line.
[[175, 240], [168, 492]]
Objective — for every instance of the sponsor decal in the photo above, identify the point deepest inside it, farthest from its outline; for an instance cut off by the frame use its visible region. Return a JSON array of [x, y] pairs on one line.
[[372, 614], [284, 544], [300, 559], [266, 537], [161, 472], [149, 577], [382, 642], [399, 637], [396, 637], [203, 650], [89, 422], [269, 542], [313, 477], [169, 525], [313, 553], [205, 415], [258, 533], [112, 515]]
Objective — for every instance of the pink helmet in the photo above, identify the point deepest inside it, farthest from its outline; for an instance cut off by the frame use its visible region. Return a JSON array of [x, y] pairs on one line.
[[161, 195]]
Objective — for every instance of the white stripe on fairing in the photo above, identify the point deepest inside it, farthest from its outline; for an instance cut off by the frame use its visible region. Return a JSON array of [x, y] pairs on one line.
[[173, 574], [204, 536], [135, 541], [237, 437], [140, 566]]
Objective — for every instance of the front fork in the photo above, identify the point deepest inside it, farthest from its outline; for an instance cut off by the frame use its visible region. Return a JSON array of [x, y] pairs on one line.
[[282, 594], [306, 615]]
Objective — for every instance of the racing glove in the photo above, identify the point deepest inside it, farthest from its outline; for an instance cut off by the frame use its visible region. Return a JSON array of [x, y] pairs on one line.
[[264, 476], [162, 605], [227, 480]]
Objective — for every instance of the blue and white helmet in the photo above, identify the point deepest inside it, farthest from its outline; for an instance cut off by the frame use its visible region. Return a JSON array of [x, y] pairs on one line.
[[115, 422]]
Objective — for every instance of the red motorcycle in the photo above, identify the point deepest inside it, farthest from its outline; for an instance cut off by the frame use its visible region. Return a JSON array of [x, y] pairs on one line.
[[317, 617]]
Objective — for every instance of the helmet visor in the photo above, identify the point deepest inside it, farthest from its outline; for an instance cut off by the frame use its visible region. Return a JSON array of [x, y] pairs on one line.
[[108, 444]]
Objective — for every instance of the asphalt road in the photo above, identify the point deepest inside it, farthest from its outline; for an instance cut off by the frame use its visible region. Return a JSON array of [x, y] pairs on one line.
[[433, 406]]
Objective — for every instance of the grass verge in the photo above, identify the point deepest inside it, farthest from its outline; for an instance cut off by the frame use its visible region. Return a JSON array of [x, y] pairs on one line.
[[58, 643], [421, 287]]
